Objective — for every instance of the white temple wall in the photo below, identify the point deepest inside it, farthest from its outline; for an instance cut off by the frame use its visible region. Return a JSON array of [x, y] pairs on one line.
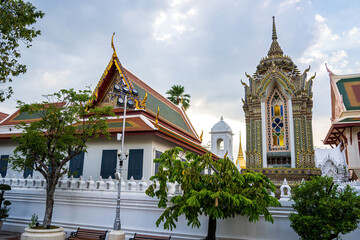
[[93, 206], [93, 157]]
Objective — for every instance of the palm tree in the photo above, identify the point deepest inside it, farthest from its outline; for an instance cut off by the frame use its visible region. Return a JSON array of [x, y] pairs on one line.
[[177, 96]]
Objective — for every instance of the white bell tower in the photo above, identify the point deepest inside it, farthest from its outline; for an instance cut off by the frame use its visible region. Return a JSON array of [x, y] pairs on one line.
[[222, 139]]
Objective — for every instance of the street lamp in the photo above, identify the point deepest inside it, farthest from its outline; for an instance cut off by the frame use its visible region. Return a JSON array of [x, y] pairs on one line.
[[125, 98]]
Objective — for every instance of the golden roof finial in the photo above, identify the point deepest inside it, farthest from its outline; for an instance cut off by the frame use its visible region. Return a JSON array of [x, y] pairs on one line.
[[275, 48], [274, 35], [201, 136], [240, 158], [112, 45]]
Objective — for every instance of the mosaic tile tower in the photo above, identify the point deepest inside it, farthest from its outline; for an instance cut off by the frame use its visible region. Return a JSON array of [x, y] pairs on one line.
[[278, 115]]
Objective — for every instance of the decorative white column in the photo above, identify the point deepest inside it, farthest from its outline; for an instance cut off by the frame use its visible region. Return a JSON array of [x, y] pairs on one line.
[[292, 139], [263, 135]]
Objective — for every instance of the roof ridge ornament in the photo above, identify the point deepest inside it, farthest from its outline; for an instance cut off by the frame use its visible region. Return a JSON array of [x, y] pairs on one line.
[[113, 46]]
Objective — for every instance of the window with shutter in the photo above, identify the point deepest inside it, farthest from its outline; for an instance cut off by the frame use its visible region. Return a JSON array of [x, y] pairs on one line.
[[27, 172], [3, 164], [76, 165], [157, 165], [135, 168], [108, 163]]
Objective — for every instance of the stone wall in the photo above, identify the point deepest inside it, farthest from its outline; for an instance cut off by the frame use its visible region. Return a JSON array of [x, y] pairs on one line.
[[91, 204]]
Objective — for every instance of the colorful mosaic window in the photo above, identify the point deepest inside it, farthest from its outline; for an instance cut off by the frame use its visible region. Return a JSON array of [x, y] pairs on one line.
[[277, 121]]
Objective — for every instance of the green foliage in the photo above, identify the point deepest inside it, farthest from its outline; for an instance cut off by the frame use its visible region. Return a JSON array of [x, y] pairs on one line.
[[34, 221], [64, 126], [323, 212], [16, 19], [177, 96], [4, 204], [223, 194]]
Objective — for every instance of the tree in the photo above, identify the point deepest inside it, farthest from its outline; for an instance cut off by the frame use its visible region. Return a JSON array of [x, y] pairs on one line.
[[323, 211], [223, 194], [65, 125], [16, 19], [4, 204], [177, 96]]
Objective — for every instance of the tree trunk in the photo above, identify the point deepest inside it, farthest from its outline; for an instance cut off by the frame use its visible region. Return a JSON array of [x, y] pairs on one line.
[[50, 191], [333, 236], [211, 235]]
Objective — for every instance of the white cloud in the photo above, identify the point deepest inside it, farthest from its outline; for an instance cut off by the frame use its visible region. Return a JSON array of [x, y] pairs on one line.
[[324, 47], [55, 79], [352, 31], [289, 3], [173, 22]]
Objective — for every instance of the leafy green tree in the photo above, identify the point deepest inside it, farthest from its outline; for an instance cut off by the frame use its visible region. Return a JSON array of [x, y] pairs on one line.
[[323, 212], [223, 194], [65, 124], [177, 96], [4, 204], [16, 19]]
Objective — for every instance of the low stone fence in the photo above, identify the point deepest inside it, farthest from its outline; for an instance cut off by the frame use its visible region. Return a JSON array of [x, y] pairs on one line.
[[92, 203]]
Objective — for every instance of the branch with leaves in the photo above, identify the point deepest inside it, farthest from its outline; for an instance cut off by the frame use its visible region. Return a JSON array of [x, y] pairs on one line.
[[63, 126], [222, 194], [16, 19]]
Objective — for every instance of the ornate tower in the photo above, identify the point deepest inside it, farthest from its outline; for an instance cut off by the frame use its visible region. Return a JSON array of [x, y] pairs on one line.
[[278, 115], [222, 139]]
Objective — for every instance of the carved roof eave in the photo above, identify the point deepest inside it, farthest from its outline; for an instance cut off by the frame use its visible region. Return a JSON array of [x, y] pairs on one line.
[[289, 87], [339, 102]]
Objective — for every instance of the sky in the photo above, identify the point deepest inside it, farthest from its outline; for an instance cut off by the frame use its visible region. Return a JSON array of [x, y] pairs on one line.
[[204, 45]]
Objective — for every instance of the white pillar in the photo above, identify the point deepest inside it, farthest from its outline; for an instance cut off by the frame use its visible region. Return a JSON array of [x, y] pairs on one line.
[[116, 235], [264, 135], [291, 133]]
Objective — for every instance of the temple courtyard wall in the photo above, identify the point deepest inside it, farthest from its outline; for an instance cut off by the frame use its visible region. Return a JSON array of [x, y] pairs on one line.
[[91, 204]]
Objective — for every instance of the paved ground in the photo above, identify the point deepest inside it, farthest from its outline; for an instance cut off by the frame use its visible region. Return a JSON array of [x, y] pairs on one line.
[[9, 235]]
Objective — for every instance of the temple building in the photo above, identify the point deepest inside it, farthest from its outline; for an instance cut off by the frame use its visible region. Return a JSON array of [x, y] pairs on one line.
[[278, 116], [344, 132], [152, 126]]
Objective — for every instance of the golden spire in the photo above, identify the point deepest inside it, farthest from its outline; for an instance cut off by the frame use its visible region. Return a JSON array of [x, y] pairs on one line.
[[240, 158], [274, 35], [275, 49], [112, 45]]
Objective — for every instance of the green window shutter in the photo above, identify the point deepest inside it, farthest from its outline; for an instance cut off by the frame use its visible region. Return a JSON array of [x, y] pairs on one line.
[[157, 165], [76, 165], [3, 164], [27, 172], [135, 168], [108, 163]]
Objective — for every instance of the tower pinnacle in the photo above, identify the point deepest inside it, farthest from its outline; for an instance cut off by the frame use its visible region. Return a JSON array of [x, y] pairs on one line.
[[275, 49], [274, 36]]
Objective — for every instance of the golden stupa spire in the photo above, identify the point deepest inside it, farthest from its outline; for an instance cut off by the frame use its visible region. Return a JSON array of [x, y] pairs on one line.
[[275, 48], [240, 158]]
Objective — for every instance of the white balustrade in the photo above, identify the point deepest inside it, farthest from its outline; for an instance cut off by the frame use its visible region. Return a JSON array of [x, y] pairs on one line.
[[110, 185], [132, 184], [143, 185], [100, 184], [90, 184]]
